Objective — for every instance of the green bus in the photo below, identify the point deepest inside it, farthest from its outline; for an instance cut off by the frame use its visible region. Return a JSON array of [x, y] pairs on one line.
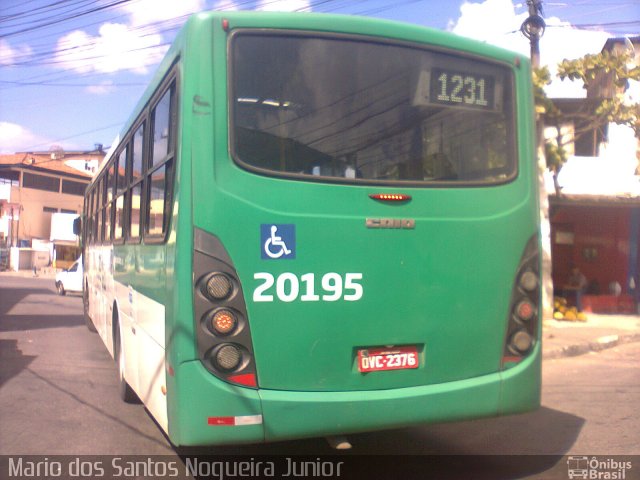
[[314, 225]]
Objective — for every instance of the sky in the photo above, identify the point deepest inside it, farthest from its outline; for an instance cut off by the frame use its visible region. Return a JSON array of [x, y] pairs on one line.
[[71, 71]]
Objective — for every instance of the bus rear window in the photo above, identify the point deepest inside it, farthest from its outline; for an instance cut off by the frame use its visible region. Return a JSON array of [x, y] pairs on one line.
[[342, 109]]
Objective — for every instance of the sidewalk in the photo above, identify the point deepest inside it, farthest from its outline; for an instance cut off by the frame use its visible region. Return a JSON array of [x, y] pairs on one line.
[[45, 272], [566, 339]]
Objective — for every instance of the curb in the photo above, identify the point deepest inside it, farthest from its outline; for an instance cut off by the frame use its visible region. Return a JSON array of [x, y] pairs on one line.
[[48, 274], [602, 343]]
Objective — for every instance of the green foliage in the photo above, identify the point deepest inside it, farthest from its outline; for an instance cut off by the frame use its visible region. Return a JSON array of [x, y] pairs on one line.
[[544, 105], [555, 155], [619, 65], [590, 66]]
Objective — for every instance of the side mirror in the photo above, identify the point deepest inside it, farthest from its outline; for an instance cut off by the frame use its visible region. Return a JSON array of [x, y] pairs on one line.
[[77, 226]]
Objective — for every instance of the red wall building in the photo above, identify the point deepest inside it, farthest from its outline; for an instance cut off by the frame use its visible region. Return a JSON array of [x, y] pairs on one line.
[[599, 235]]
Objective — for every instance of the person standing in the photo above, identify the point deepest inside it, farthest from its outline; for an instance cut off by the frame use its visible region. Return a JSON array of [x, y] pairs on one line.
[[577, 285]]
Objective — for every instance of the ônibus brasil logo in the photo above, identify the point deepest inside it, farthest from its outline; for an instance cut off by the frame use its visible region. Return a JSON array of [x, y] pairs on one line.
[[597, 468]]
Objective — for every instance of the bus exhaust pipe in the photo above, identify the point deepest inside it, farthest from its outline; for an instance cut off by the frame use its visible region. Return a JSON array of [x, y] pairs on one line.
[[339, 443]]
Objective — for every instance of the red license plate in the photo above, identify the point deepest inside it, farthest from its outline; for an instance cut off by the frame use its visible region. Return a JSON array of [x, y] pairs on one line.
[[387, 358]]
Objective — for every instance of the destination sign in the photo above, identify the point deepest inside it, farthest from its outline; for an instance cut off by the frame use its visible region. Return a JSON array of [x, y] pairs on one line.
[[440, 86], [461, 89]]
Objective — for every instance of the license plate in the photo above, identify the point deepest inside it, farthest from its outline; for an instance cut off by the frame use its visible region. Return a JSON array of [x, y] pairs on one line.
[[387, 358]]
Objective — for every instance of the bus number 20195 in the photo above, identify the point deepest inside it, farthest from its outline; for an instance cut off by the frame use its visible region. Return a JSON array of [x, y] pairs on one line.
[[331, 287]]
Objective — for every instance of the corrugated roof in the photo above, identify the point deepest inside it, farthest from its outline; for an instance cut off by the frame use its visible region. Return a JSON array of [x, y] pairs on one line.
[[43, 161]]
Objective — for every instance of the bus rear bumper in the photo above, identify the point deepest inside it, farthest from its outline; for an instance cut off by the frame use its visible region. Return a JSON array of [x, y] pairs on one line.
[[287, 415], [291, 415]]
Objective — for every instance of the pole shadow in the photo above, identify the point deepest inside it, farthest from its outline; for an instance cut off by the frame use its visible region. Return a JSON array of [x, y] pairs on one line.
[[12, 360]]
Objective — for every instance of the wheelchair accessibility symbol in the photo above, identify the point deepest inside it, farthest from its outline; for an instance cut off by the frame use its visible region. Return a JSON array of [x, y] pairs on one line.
[[278, 241]]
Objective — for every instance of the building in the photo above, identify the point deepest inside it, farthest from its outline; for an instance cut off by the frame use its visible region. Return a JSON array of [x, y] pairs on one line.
[[595, 215], [33, 187], [600, 235]]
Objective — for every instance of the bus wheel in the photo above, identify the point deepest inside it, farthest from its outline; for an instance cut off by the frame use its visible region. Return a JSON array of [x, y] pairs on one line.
[[85, 304], [126, 392], [60, 288]]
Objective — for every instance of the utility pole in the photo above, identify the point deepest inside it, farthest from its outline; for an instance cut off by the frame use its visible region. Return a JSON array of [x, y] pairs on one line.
[[533, 29]]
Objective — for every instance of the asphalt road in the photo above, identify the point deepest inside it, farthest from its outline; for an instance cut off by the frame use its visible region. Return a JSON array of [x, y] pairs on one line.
[[58, 396]]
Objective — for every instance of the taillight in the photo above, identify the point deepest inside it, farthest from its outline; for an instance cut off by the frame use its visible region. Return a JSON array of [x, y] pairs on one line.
[[524, 311], [528, 280], [218, 286], [520, 342], [227, 357], [223, 322], [222, 328]]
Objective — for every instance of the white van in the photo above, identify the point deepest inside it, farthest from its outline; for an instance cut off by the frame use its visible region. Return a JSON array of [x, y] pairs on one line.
[[70, 280]]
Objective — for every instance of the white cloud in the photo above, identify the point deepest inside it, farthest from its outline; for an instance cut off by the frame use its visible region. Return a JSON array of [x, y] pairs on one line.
[[496, 22], [284, 6], [117, 47], [103, 88], [16, 138], [145, 12], [135, 46], [11, 55]]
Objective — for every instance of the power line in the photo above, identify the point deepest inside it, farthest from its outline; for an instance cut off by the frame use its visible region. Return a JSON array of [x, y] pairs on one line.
[[41, 57], [21, 4], [610, 26], [48, 11], [386, 7], [51, 84], [55, 14], [64, 19]]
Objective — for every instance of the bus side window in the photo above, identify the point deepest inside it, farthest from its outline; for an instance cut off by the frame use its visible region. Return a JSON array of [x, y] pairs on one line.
[[156, 210], [100, 209], [161, 129], [92, 219], [136, 178], [134, 213], [108, 222], [158, 180], [119, 201]]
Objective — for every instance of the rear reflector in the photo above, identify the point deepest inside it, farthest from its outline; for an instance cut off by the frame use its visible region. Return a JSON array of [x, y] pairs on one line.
[[235, 421], [390, 197], [221, 421], [511, 359], [248, 379]]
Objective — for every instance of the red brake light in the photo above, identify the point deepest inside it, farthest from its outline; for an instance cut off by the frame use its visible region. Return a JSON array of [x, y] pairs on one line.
[[525, 310], [390, 197]]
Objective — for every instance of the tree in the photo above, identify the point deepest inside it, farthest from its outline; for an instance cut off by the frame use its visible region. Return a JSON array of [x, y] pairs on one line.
[[619, 68]]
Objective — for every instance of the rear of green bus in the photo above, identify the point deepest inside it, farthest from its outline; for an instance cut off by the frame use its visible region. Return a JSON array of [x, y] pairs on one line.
[[357, 234]]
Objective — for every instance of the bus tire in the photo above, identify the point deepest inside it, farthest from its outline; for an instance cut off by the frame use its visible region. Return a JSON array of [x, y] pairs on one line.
[[126, 392], [60, 288], [85, 304]]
